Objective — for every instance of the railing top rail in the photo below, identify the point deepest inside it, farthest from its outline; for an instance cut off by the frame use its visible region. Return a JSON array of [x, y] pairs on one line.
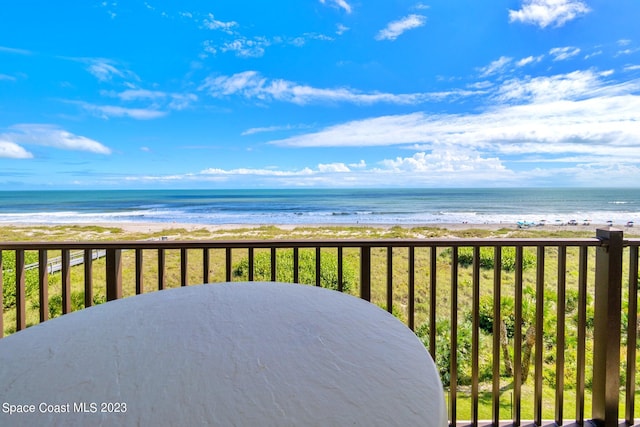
[[303, 243]]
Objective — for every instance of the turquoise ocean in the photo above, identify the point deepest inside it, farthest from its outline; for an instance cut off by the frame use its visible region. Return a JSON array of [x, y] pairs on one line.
[[324, 206]]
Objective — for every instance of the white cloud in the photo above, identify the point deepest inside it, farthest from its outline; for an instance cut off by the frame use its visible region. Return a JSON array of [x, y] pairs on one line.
[[333, 167], [529, 60], [253, 131], [108, 111], [15, 51], [135, 94], [105, 70], [632, 67], [444, 167], [251, 84], [562, 53], [591, 55], [256, 172], [396, 28], [179, 101], [11, 150], [609, 119], [7, 77], [627, 52], [247, 48], [172, 101], [544, 13], [52, 136], [573, 117], [481, 86], [209, 48], [213, 24], [255, 47], [571, 86], [444, 161], [339, 3], [109, 6], [496, 66], [341, 29]]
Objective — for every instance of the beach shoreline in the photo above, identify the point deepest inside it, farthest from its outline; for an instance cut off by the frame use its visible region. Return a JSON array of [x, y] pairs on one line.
[[156, 227]]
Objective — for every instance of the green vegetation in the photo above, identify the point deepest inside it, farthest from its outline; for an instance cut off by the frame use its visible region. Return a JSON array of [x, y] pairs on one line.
[[487, 258], [9, 278], [306, 269]]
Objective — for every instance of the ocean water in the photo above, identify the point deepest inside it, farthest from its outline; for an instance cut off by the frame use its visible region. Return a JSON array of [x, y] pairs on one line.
[[323, 206]]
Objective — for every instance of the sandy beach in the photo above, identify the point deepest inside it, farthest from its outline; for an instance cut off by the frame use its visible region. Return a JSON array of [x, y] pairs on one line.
[[157, 227]]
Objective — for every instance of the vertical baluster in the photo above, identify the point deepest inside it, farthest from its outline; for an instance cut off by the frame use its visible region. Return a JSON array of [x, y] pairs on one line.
[[318, 267], [517, 338], [251, 266], [537, 402], [582, 331], [412, 286], [162, 280], [475, 336], [365, 273], [139, 272], [560, 332], [453, 377], [273, 264], [632, 335], [497, 321], [433, 268], [390, 279], [21, 319], [227, 269], [43, 284], [66, 281], [340, 272], [206, 263], [184, 267], [88, 276], [296, 267]]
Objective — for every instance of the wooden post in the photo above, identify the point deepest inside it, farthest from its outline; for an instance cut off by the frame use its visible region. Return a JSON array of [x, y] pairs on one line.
[[21, 315], [114, 274], [43, 284], [365, 273], [66, 281], [606, 335]]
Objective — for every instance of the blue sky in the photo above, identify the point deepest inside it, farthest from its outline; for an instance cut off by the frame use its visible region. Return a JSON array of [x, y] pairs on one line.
[[319, 93]]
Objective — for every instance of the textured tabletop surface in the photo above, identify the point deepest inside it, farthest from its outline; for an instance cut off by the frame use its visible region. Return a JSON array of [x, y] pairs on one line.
[[239, 354]]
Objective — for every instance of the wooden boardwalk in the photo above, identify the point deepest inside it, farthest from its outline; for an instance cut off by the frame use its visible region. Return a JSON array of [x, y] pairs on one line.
[[77, 257]]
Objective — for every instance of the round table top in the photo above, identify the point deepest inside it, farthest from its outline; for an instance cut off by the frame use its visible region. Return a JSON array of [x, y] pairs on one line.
[[234, 354]]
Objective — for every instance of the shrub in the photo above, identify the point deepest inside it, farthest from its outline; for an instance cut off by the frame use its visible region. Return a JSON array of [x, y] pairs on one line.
[[9, 277], [77, 302], [487, 256], [443, 350], [306, 269]]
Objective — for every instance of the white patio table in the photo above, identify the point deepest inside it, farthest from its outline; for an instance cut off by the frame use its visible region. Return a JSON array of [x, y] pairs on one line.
[[234, 354]]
